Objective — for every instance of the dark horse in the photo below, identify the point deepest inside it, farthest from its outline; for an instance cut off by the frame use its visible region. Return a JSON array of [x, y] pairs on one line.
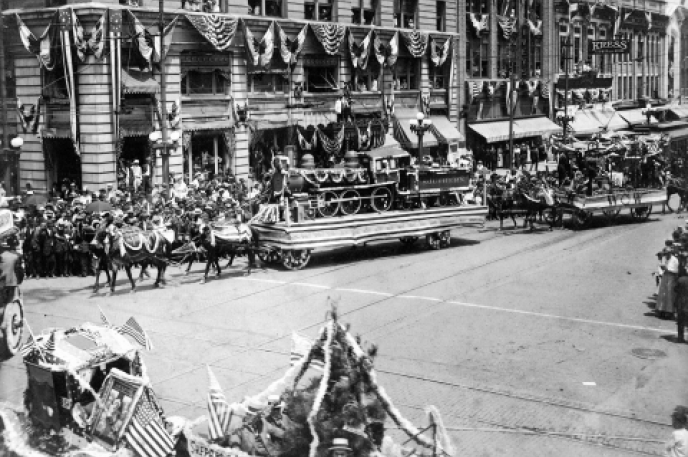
[[129, 246], [680, 187], [530, 201]]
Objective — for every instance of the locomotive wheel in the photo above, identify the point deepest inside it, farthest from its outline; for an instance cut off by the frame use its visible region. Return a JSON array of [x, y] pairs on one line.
[[381, 199], [11, 330], [641, 213], [328, 204], [351, 203], [408, 240], [433, 241], [297, 259], [272, 256], [445, 239]]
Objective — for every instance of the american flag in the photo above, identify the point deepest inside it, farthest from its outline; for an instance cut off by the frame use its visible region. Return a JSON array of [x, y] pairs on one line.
[[104, 319], [49, 345], [134, 330], [146, 433], [300, 347], [29, 346], [218, 409]]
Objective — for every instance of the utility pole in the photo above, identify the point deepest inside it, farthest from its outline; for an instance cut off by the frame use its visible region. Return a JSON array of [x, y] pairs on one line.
[[567, 68], [163, 102], [512, 78], [3, 97]]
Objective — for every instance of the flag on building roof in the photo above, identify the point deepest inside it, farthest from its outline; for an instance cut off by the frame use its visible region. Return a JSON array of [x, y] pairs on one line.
[[146, 432], [134, 330], [573, 9], [218, 409]]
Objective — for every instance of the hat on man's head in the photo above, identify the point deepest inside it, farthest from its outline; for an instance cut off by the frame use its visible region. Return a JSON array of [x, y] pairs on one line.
[[340, 444]]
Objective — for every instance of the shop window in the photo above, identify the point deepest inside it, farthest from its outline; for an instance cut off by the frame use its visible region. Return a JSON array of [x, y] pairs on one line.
[[319, 10], [478, 57], [368, 79], [405, 13], [203, 83], [407, 73], [320, 74], [365, 12], [441, 17], [438, 77], [478, 6], [267, 83], [270, 8]]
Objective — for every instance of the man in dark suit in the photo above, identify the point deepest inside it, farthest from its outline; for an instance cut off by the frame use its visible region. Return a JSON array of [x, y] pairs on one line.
[[11, 270]]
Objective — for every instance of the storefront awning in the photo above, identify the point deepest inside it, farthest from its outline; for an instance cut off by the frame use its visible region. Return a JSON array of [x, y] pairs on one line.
[[679, 111], [535, 126], [391, 148], [493, 132], [135, 127], [636, 116], [56, 133], [678, 133], [359, 107], [193, 125], [445, 131], [274, 121], [138, 82], [403, 133]]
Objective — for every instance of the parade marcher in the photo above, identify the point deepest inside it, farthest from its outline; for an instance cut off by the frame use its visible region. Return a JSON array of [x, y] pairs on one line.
[[681, 307], [666, 299], [11, 270], [340, 448]]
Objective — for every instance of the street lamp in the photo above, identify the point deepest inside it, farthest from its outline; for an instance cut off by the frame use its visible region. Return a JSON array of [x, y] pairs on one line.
[[648, 112], [419, 126]]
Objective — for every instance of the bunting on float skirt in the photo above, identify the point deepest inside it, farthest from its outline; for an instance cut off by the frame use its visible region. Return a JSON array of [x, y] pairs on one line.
[[115, 26], [439, 57], [330, 36], [291, 48], [260, 53], [360, 52], [386, 54], [218, 30], [416, 42], [45, 47], [65, 17]]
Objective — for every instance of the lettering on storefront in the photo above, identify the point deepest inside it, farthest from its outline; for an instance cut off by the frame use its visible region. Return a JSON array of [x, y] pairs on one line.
[[320, 61], [609, 46]]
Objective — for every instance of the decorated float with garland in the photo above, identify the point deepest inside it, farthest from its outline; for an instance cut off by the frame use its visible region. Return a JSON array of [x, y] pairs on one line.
[[329, 402]]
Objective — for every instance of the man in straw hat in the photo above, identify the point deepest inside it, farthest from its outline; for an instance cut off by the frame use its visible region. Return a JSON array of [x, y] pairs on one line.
[[340, 448]]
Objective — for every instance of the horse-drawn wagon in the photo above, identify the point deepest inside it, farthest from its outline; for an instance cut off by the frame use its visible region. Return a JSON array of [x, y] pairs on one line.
[[582, 207], [291, 244]]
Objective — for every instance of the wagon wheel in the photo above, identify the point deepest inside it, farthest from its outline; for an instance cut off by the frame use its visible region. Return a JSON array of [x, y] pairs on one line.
[[351, 203], [641, 213], [328, 204], [408, 240], [611, 214], [445, 239], [11, 330], [381, 199], [433, 241], [554, 216], [297, 259], [582, 219], [272, 256]]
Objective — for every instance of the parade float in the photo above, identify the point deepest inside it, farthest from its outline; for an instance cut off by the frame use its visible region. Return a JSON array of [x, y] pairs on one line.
[[89, 394], [11, 309]]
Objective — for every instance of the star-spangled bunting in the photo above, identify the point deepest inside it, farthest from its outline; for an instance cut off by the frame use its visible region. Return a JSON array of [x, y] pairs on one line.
[[146, 433]]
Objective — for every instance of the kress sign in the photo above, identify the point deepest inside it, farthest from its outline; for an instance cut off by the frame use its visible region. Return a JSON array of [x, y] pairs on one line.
[[609, 46]]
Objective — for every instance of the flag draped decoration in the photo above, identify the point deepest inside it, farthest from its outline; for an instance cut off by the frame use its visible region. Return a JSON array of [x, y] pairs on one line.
[[132, 328], [474, 89], [480, 23], [96, 44], [260, 53], [103, 318], [306, 145], [140, 39], [331, 146], [416, 42], [364, 145], [508, 25], [44, 47], [439, 57], [219, 412], [29, 346], [146, 432], [648, 17], [115, 26], [386, 54], [160, 47], [80, 44], [291, 48], [360, 52], [573, 9], [65, 17], [535, 27], [330, 36], [218, 30]]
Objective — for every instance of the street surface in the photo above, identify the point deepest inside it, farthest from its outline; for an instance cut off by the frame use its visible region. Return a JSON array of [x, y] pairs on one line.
[[528, 343]]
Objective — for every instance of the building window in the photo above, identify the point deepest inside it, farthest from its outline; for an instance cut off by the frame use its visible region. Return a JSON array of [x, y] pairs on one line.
[[438, 77], [440, 20], [478, 57], [272, 8], [365, 12], [321, 74], [535, 60], [405, 13], [478, 6], [267, 83], [577, 44], [368, 79], [203, 83], [319, 10], [407, 73]]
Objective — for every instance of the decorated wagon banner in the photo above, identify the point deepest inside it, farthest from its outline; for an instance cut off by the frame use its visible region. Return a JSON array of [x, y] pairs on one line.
[[609, 47]]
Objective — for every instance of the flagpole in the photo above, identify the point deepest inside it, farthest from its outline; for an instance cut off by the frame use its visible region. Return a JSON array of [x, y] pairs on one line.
[[163, 101]]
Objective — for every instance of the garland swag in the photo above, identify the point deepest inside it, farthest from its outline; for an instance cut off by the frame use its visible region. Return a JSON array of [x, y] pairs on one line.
[[360, 52], [218, 30], [416, 42], [330, 36]]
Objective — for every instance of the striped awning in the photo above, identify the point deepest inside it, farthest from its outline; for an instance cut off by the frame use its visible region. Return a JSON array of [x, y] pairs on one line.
[[444, 130], [403, 133], [138, 82], [679, 111], [56, 133], [494, 132], [135, 127]]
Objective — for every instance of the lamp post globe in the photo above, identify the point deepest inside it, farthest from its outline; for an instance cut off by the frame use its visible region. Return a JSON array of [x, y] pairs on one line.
[[17, 142]]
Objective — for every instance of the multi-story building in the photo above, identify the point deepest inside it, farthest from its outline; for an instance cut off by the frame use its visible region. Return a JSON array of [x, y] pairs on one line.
[[243, 79]]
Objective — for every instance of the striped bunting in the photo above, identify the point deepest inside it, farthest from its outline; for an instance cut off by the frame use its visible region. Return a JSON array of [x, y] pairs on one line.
[[49, 345], [134, 330], [146, 433], [219, 412], [218, 30], [29, 346], [300, 348]]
